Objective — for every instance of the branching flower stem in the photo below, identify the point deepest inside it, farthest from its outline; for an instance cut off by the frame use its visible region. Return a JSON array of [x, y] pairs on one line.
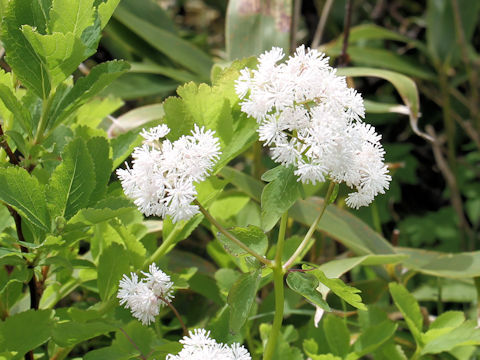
[[231, 236], [278, 274], [312, 229]]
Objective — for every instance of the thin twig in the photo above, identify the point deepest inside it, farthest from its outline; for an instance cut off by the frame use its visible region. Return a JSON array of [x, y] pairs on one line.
[[6, 147], [185, 331], [344, 59], [143, 357], [297, 7], [317, 38]]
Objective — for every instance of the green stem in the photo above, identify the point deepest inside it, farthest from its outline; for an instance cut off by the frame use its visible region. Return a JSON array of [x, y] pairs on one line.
[[42, 124], [231, 236], [279, 291], [279, 306], [162, 249], [312, 229]]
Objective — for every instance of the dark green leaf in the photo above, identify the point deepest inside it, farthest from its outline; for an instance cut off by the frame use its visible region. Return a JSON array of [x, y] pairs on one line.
[[251, 236], [337, 334], [112, 264], [306, 284], [72, 181], [241, 297], [16, 108], [100, 152], [373, 337]]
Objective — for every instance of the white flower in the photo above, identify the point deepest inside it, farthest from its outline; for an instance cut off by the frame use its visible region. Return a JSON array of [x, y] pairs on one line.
[[161, 179], [199, 346], [310, 119], [145, 297]]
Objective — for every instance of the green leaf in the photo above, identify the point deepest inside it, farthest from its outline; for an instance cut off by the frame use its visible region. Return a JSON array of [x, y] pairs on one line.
[[279, 195], [72, 16], [228, 205], [21, 57], [250, 30], [72, 181], [409, 308], [26, 331], [251, 236], [69, 333], [464, 335], [19, 112], [448, 319], [84, 89], [112, 264], [60, 53], [105, 11], [136, 118], [24, 193], [310, 347], [100, 152], [337, 334], [406, 87], [374, 337], [305, 285], [241, 297], [342, 290], [123, 145], [169, 44]]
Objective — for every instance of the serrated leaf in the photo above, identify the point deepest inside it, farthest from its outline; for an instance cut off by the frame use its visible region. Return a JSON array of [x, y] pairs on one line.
[[24, 193], [251, 236], [278, 195], [26, 331], [60, 53], [100, 152], [105, 11], [72, 16], [72, 181], [305, 285], [409, 308], [21, 57], [342, 290], [112, 264], [16, 108], [337, 334], [69, 100], [241, 297]]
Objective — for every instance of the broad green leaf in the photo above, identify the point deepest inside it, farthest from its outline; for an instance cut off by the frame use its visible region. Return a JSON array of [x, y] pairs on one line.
[[105, 11], [69, 333], [305, 285], [173, 233], [405, 86], [278, 195], [458, 265], [84, 89], [26, 331], [207, 107], [174, 110], [21, 57], [409, 308], [342, 290], [337, 334], [209, 189], [241, 297], [225, 279], [374, 337], [448, 319], [123, 145], [112, 264], [95, 111], [72, 16], [24, 193], [61, 53], [228, 204], [100, 152], [250, 30], [442, 40], [177, 49], [72, 181], [251, 236], [135, 249], [466, 334], [310, 347], [16, 108], [90, 217]]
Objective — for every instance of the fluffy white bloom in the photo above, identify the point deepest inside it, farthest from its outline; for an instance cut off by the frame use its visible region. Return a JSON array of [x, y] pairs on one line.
[[199, 346], [145, 297], [161, 179], [310, 119]]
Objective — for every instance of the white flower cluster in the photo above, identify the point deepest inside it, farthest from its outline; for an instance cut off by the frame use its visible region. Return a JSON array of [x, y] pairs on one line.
[[310, 119], [145, 297], [161, 180], [199, 346]]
